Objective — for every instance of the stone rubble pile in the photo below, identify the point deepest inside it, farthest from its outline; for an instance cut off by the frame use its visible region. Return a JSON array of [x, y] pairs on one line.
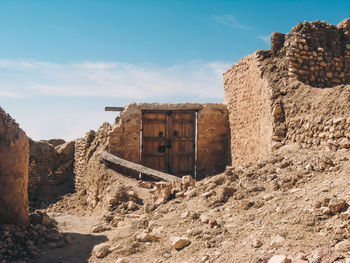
[[25, 244]]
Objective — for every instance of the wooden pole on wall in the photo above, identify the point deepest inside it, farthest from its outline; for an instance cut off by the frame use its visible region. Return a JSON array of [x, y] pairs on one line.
[[139, 168], [107, 108]]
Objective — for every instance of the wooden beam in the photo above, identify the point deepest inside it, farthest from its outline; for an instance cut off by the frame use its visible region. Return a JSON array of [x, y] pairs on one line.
[[114, 108], [138, 168]]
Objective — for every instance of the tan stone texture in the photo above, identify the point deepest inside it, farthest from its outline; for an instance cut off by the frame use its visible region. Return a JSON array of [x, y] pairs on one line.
[[298, 91], [248, 102], [124, 139], [213, 143], [50, 169], [213, 134], [318, 54], [86, 156], [14, 153]]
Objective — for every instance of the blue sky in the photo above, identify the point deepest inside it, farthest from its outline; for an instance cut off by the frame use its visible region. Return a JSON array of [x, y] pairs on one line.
[[62, 61]]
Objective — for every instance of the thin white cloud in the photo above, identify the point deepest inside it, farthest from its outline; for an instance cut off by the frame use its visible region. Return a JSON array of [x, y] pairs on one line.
[[266, 39], [229, 19], [8, 94], [104, 79]]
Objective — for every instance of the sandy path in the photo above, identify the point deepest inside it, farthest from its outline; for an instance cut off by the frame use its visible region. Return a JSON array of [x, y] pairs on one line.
[[83, 241]]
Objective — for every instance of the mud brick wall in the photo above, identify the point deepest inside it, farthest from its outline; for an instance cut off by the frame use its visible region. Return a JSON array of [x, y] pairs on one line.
[[248, 99], [14, 155], [50, 169], [213, 143], [124, 139], [213, 134], [319, 53]]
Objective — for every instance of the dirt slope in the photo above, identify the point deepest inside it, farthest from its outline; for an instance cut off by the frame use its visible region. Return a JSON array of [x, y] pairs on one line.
[[293, 203]]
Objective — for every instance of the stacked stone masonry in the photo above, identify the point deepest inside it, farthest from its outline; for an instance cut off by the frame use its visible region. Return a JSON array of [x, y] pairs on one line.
[[331, 134], [296, 92], [84, 149], [80, 164], [319, 54]]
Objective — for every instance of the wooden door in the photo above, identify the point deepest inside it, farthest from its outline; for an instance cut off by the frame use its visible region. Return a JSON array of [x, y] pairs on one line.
[[154, 140], [168, 141], [181, 127]]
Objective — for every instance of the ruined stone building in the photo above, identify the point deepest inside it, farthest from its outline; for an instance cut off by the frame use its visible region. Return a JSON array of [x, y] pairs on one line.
[[298, 91], [295, 92], [180, 139]]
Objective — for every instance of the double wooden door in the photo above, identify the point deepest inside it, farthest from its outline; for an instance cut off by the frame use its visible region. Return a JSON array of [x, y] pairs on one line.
[[168, 141]]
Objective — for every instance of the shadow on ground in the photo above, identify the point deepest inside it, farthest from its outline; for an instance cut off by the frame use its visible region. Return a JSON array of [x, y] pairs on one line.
[[78, 252]]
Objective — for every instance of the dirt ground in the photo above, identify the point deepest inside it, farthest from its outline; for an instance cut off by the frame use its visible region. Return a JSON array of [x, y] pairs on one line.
[[79, 228], [293, 203]]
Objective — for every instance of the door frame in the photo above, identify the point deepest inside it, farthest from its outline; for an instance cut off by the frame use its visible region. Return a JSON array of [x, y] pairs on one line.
[[168, 113]]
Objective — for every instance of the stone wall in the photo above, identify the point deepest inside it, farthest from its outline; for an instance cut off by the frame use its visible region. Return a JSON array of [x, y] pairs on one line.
[[213, 134], [296, 92], [317, 118], [315, 132], [319, 53], [14, 153], [50, 170], [247, 97], [124, 139], [84, 150], [213, 143], [316, 93]]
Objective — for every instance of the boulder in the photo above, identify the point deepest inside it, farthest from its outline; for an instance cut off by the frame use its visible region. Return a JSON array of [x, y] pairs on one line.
[[180, 242], [146, 237], [336, 205], [101, 250], [187, 182], [343, 246], [99, 228], [256, 243], [56, 142], [204, 218], [66, 151], [279, 259], [115, 221], [345, 25], [277, 241]]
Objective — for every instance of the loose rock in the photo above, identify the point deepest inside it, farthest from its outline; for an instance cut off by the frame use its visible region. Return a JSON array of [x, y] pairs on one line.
[[101, 250], [180, 242]]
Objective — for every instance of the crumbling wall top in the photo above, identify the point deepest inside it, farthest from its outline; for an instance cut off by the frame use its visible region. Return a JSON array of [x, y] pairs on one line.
[[317, 53]]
